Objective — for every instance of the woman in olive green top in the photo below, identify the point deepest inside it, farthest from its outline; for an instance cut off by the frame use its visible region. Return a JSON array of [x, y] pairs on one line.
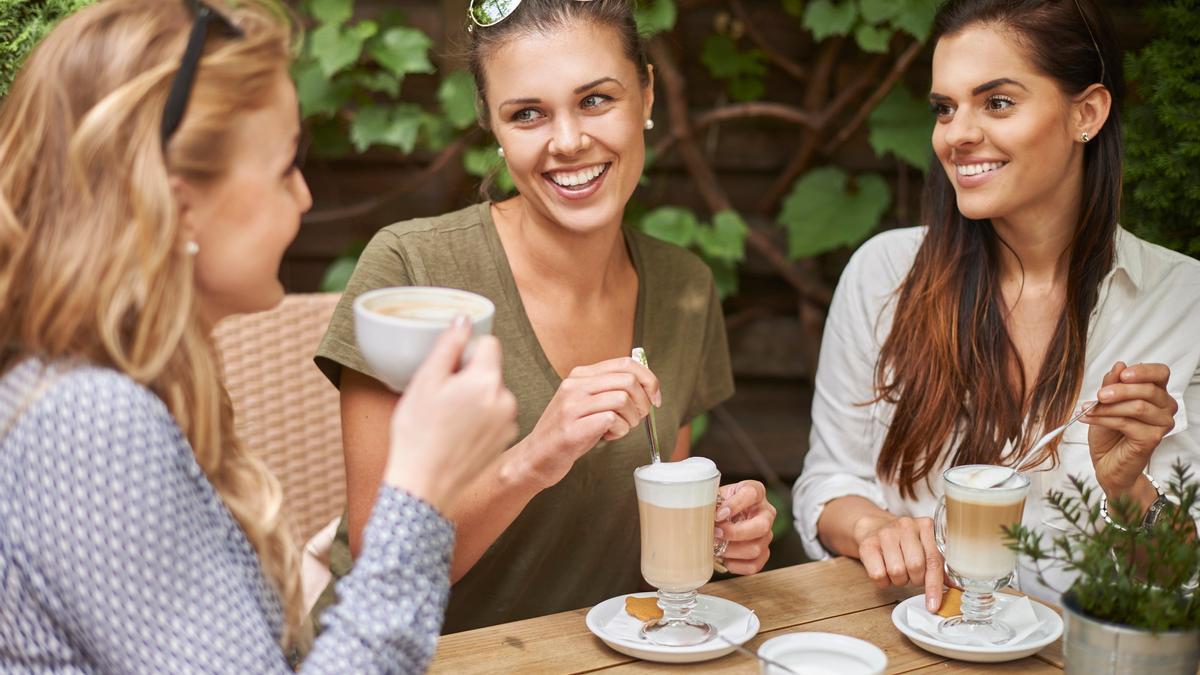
[[553, 526]]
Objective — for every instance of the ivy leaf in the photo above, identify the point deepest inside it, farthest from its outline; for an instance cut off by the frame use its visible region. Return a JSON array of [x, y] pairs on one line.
[[655, 16], [747, 88], [379, 81], [329, 138], [794, 7], [825, 18], [823, 212], [402, 50], [725, 276], [396, 126], [872, 39], [743, 71], [878, 11], [337, 276], [319, 96], [336, 47], [332, 12], [456, 93], [915, 17], [901, 124], [436, 131], [672, 224], [726, 238], [483, 161]]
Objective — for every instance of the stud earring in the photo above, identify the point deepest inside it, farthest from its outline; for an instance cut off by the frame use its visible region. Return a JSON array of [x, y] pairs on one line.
[[1085, 137], [500, 151], [191, 248], [649, 124]]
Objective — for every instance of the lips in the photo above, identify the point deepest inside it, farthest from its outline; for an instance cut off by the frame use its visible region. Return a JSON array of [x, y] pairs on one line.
[[578, 183], [970, 172]]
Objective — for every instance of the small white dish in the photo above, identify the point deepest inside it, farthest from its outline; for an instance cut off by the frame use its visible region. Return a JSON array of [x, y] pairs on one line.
[[1050, 631], [733, 621], [822, 654]]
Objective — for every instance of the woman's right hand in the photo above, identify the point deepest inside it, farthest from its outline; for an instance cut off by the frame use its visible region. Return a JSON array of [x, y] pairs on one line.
[[451, 423], [602, 401], [901, 552]]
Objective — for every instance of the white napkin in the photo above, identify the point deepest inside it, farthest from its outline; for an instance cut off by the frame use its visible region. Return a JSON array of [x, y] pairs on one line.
[[625, 626], [1016, 611]]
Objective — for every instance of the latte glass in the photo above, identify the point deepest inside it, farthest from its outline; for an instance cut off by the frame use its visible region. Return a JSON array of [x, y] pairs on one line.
[[676, 505], [979, 501]]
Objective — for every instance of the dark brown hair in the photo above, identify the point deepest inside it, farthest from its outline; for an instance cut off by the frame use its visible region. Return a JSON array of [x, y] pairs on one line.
[[949, 364], [539, 17]]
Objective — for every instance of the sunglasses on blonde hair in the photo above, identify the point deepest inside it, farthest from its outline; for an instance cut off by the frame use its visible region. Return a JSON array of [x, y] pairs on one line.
[[185, 77], [491, 12]]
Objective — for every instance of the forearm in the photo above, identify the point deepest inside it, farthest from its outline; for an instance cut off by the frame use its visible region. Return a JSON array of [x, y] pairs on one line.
[[843, 519]]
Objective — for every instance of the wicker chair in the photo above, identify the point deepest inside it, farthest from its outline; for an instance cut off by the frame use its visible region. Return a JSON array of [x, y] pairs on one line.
[[285, 408]]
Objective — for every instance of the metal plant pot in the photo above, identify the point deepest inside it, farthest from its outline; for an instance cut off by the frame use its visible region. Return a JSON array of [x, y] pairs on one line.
[[1094, 647]]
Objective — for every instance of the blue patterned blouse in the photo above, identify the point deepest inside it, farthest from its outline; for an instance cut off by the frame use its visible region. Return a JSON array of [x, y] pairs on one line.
[[117, 555]]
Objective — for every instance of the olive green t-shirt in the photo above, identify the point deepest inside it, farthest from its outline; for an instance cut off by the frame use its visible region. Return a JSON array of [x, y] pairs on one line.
[[576, 543]]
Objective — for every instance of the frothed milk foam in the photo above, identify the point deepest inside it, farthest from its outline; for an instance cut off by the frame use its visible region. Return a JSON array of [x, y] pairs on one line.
[[975, 515], [676, 503]]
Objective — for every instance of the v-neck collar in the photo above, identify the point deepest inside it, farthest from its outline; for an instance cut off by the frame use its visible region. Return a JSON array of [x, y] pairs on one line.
[[508, 284]]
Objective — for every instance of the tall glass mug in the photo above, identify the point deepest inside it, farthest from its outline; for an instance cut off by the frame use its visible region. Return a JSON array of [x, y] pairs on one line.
[[676, 505], [978, 503]]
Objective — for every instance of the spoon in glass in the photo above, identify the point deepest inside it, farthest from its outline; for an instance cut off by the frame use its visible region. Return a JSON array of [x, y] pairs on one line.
[[1050, 436], [639, 355]]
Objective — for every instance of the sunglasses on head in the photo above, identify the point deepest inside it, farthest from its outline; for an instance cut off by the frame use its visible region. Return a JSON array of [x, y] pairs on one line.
[[491, 12], [181, 85]]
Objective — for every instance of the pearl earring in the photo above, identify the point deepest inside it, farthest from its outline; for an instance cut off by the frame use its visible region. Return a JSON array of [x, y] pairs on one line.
[[500, 151], [191, 248], [1085, 137], [649, 124]]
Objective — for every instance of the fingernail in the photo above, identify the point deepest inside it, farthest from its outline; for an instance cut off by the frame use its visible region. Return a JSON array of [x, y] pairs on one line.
[[1106, 394], [657, 401], [931, 604], [723, 514], [461, 321], [719, 534]]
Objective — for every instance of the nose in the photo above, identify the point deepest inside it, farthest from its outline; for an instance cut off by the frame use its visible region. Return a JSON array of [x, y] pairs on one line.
[[568, 137], [303, 193], [963, 129]]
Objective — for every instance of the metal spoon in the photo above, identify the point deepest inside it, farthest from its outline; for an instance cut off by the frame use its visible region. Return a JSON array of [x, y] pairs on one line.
[[639, 355], [747, 652], [1044, 440]]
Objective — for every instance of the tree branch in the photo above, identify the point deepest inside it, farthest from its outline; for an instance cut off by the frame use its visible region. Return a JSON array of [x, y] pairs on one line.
[[777, 57], [779, 111], [898, 69], [414, 183]]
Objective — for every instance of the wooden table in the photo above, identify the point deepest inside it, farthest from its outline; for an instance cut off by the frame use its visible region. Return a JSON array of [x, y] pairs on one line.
[[832, 596]]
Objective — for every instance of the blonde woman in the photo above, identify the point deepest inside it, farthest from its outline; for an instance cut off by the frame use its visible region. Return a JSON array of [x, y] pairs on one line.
[[148, 189]]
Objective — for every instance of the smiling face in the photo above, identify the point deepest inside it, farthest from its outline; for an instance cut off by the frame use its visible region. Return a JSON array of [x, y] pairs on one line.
[[569, 109], [1006, 134]]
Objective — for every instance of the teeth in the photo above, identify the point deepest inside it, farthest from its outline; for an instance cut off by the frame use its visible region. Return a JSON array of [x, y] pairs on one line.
[[976, 169], [573, 178]]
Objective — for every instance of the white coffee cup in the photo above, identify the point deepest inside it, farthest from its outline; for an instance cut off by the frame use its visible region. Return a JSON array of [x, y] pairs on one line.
[[396, 328]]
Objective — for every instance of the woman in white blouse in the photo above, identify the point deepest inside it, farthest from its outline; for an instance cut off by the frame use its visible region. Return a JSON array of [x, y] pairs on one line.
[[964, 341]]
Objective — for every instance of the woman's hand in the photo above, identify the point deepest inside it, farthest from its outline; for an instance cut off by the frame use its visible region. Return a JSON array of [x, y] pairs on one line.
[[901, 552], [449, 426], [744, 520], [597, 402], [1134, 414]]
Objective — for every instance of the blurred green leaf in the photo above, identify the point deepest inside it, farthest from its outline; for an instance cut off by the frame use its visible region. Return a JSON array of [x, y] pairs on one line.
[[794, 7], [672, 224], [824, 212], [743, 71], [319, 95], [699, 427], [402, 50], [338, 274], [825, 18], [396, 126], [915, 17], [725, 276], [878, 11], [332, 12], [483, 161], [725, 238], [872, 38], [655, 16], [436, 131], [379, 81], [329, 139], [336, 47], [456, 93], [902, 124]]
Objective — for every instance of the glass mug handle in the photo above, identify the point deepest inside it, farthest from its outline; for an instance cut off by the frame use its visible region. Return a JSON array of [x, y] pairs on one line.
[[719, 546], [939, 526]]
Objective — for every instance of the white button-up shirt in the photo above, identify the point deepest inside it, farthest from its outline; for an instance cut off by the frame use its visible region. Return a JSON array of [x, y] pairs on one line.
[[1148, 311]]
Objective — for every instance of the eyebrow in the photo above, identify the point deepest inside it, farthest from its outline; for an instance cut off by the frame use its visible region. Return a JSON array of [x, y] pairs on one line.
[[578, 90], [986, 86]]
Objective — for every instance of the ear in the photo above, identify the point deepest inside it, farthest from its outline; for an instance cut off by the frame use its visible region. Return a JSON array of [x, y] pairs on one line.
[[186, 201], [648, 93], [1091, 110]]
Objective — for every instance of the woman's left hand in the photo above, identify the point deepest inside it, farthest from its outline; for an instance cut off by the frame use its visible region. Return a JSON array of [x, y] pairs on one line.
[[1134, 414], [744, 519]]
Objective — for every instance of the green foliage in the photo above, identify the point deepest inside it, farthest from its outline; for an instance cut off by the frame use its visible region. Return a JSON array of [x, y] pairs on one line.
[[901, 124], [22, 24], [1162, 168], [743, 72], [338, 274], [484, 162], [456, 94], [1131, 576], [655, 16], [826, 18], [826, 210], [721, 244]]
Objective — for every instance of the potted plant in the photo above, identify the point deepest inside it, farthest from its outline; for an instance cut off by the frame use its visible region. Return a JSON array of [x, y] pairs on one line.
[[1134, 606]]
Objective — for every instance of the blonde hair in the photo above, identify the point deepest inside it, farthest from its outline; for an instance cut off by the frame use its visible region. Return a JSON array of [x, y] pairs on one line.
[[92, 258]]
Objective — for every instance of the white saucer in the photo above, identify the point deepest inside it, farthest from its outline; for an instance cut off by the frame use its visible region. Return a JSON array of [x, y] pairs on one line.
[[728, 617], [1050, 631]]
